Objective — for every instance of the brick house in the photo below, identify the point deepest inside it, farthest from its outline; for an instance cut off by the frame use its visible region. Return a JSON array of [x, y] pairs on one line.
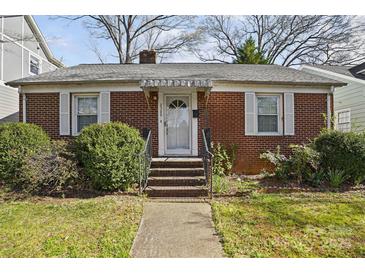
[[254, 107]]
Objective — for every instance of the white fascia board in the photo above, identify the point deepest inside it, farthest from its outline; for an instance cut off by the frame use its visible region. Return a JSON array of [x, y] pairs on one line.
[[128, 87], [232, 87], [81, 88]]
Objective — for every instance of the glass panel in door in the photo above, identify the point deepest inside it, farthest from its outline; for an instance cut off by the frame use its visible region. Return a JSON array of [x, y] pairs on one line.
[[177, 124]]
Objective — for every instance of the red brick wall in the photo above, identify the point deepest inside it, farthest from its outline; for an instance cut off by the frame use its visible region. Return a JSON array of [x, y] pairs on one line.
[[128, 107], [131, 108], [42, 109], [225, 116], [226, 120]]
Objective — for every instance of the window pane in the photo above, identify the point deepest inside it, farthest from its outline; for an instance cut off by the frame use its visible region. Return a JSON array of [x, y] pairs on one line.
[[85, 120], [344, 117], [344, 127], [267, 105], [87, 106], [268, 123], [34, 65]]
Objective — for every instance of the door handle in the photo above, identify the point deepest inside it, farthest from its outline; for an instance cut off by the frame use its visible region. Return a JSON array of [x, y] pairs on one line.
[[167, 129]]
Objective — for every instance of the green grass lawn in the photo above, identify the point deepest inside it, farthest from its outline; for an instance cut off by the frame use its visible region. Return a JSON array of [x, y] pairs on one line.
[[96, 227], [292, 225]]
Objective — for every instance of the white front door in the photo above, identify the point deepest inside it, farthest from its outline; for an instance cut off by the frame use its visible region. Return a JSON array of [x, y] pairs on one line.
[[177, 125]]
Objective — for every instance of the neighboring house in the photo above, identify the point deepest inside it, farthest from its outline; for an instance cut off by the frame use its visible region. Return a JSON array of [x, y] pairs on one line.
[[254, 107], [23, 52], [349, 100]]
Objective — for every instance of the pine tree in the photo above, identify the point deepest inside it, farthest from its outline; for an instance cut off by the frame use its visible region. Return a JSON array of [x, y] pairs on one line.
[[249, 54]]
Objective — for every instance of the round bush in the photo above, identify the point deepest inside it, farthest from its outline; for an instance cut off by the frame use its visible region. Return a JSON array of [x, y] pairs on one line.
[[17, 141], [108, 153], [342, 151]]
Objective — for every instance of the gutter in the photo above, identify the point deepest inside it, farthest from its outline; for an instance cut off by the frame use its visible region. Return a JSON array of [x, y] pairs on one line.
[[303, 84], [42, 41]]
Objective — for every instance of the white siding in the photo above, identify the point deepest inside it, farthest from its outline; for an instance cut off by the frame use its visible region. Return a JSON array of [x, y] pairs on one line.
[[9, 102], [14, 60], [351, 96], [16, 51]]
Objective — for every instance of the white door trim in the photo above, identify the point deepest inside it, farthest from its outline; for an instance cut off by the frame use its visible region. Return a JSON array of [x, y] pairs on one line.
[[161, 114], [177, 151]]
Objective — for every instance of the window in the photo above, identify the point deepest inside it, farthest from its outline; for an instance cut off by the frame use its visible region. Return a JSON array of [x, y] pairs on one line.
[[344, 120], [34, 65], [86, 111], [267, 114]]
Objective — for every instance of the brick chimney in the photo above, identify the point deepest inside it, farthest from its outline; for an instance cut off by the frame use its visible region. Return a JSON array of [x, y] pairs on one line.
[[147, 57]]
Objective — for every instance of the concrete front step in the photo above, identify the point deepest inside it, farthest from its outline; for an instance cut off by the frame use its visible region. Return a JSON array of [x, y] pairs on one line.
[[180, 199], [177, 191], [176, 181], [177, 171], [176, 162]]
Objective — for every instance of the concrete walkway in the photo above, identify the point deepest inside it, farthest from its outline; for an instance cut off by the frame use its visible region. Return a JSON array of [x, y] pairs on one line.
[[176, 230]]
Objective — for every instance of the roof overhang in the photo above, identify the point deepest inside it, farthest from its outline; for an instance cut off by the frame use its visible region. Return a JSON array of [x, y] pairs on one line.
[[205, 84]]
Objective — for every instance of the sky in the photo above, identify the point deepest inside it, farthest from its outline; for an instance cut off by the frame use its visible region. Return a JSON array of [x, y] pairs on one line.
[[70, 42]]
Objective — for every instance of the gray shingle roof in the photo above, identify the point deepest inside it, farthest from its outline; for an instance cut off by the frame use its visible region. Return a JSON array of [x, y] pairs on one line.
[[270, 74]]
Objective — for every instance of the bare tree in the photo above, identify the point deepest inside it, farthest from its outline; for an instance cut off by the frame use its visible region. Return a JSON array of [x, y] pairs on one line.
[[94, 47], [287, 40], [131, 33]]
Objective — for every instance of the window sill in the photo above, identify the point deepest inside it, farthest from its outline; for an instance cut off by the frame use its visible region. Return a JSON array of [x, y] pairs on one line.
[[268, 134]]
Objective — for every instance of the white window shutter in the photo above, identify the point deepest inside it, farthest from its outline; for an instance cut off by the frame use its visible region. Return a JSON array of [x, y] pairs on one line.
[[250, 113], [64, 113], [289, 113], [104, 107]]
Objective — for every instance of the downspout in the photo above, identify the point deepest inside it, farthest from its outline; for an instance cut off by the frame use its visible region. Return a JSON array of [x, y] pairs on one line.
[[24, 101], [329, 113]]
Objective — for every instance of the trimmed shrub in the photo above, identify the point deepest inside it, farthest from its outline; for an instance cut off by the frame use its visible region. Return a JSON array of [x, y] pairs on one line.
[[302, 165], [52, 170], [342, 151], [279, 161], [17, 142], [108, 153]]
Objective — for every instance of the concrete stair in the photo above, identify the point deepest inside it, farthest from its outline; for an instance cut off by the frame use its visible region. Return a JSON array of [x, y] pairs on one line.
[[176, 177]]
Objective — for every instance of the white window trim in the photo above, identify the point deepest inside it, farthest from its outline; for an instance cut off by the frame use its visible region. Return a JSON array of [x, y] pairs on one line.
[[336, 116], [280, 115], [75, 132], [40, 63]]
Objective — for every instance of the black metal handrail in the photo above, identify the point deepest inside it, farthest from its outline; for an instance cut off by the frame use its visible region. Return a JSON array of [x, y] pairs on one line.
[[208, 158], [145, 158]]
